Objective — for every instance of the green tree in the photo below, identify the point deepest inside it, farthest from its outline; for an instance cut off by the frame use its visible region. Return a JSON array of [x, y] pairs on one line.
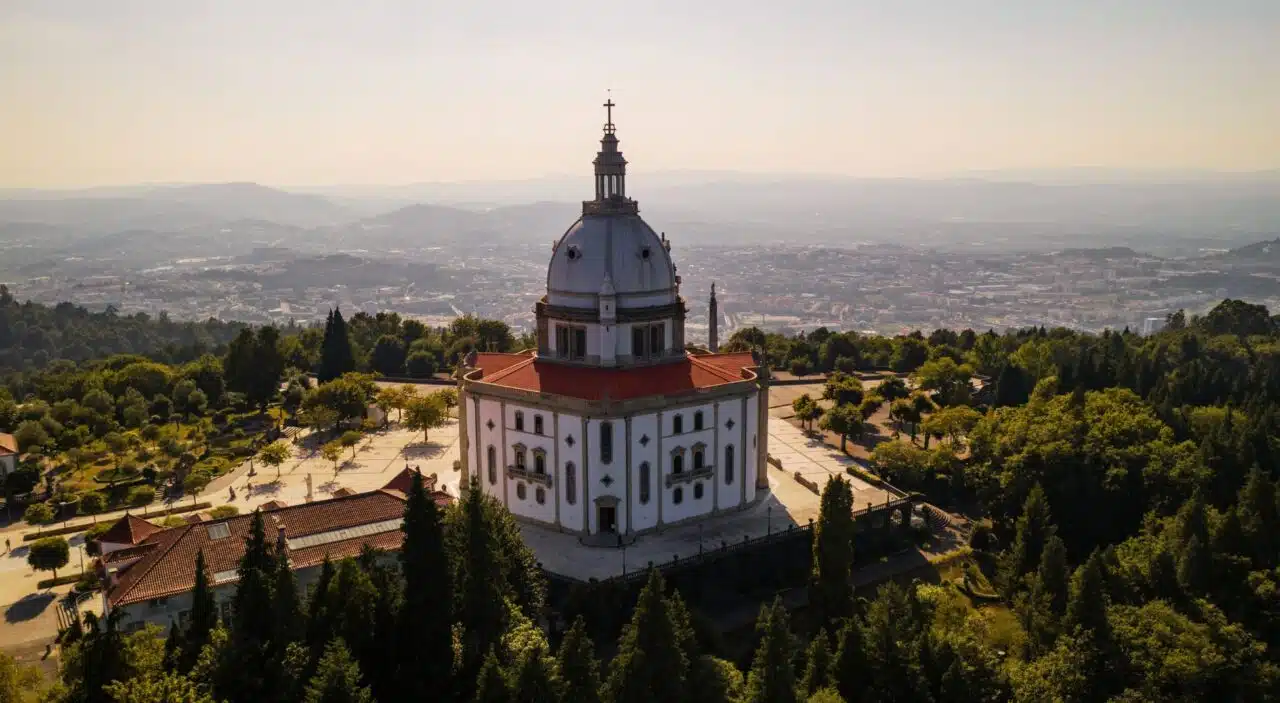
[[772, 678], [275, 455], [336, 356], [491, 683], [162, 687], [650, 666], [18, 683], [31, 436], [1034, 528], [535, 678], [49, 554], [480, 599], [337, 678], [250, 674], [850, 669], [388, 356], [254, 365], [195, 482], [38, 514], [818, 664], [579, 669], [949, 380], [424, 413], [350, 439], [425, 642], [332, 451], [1087, 605], [843, 389], [204, 616], [843, 420], [833, 534], [92, 504]]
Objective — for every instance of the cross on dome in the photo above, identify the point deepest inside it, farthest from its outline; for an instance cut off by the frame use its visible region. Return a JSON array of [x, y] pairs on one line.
[[608, 106]]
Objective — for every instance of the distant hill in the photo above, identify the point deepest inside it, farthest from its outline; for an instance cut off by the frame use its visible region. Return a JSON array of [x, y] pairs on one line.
[[1258, 252]]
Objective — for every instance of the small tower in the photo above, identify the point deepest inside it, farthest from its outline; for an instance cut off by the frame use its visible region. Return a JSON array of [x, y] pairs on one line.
[[608, 322], [714, 314], [611, 173]]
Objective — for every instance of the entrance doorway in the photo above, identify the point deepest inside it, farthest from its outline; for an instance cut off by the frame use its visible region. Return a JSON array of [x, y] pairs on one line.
[[607, 518]]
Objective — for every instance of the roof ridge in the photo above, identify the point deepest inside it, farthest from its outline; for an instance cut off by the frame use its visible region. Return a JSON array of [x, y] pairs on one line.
[[716, 370]]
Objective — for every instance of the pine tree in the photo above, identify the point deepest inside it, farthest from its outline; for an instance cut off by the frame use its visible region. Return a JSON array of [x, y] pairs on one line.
[[1258, 518], [250, 673], [285, 607], [579, 669], [337, 679], [1087, 607], [319, 615], [336, 357], [1034, 528], [1162, 575], [818, 664], [893, 634], [1195, 569], [829, 589], [491, 686], [173, 647], [850, 670], [1053, 576], [649, 666], [772, 678], [425, 643]]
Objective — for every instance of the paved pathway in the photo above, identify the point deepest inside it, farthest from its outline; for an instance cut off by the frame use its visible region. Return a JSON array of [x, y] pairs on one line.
[[816, 461]]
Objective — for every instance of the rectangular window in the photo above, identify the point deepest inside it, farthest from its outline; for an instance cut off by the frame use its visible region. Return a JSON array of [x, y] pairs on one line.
[[637, 342], [562, 341], [657, 340], [579, 347], [606, 442]]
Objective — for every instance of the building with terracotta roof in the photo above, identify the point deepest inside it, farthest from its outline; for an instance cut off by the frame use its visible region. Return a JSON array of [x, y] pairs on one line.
[[8, 454], [611, 428], [151, 579]]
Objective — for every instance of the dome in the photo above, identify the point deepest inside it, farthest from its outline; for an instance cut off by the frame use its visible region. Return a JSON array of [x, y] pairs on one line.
[[616, 249]]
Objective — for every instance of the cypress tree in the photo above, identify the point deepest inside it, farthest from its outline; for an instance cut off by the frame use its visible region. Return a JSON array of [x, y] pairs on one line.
[[649, 666], [250, 672], [491, 687], [829, 589], [1053, 576], [1258, 518], [285, 607], [336, 357], [1034, 528], [1195, 570], [425, 643], [818, 663], [772, 678], [337, 679], [204, 617], [535, 679], [1087, 607], [849, 670], [481, 597], [893, 635], [173, 646], [324, 370], [579, 670], [319, 615]]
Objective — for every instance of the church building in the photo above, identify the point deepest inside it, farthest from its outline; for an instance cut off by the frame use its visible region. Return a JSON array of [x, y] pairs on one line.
[[611, 428]]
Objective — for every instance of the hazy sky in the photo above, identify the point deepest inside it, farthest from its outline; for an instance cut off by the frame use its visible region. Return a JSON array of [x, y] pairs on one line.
[[288, 92]]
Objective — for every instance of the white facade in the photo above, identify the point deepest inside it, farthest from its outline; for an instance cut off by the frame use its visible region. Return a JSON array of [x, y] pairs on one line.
[[621, 474]]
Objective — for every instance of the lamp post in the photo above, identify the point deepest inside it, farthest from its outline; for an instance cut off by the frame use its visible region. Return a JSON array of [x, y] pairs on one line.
[[769, 511]]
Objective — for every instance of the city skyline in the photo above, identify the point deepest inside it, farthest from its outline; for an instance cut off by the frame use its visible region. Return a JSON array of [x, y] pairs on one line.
[[320, 93]]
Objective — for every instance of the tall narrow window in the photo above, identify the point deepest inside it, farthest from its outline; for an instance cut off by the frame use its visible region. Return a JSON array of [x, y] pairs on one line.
[[728, 464], [606, 442], [579, 343], [644, 483], [677, 424], [657, 340], [637, 342], [677, 464], [519, 421], [493, 465], [677, 496], [539, 463], [699, 459], [697, 491], [537, 424], [520, 459], [697, 421], [571, 483], [562, 341]]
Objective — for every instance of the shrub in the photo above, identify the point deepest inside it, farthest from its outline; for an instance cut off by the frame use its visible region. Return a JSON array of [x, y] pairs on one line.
[[224, 511], [981, 539], [38, 514], [799, 367], [141, 495], [92, 503]]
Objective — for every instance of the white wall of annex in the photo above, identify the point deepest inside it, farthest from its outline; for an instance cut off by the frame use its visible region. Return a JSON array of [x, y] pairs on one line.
[[644, 515], [570, 450], [751, 469], [688, 506], [490, 412]]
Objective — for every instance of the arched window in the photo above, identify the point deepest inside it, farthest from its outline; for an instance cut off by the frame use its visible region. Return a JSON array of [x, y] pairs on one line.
[[697, 491], [728, 463], [493, 465], [571, 483], [521, 491], [519, 421], [677, 496], [606, 442], [699, 458], [540, 495], [537, 424], [644, 483], [677, 424], [697, 421], [520, 458], [677, 464], [539, 463]]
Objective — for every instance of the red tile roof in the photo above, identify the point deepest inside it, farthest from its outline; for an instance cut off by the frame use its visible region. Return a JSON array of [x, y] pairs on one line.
[[594, 383], [343, 492], [8, 444], [273, 505], [403, 481], [129, 529], [168, 568]]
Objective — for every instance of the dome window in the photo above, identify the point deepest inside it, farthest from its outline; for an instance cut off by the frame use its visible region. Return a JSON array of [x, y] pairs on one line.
[[645, 253], [574, 253]]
